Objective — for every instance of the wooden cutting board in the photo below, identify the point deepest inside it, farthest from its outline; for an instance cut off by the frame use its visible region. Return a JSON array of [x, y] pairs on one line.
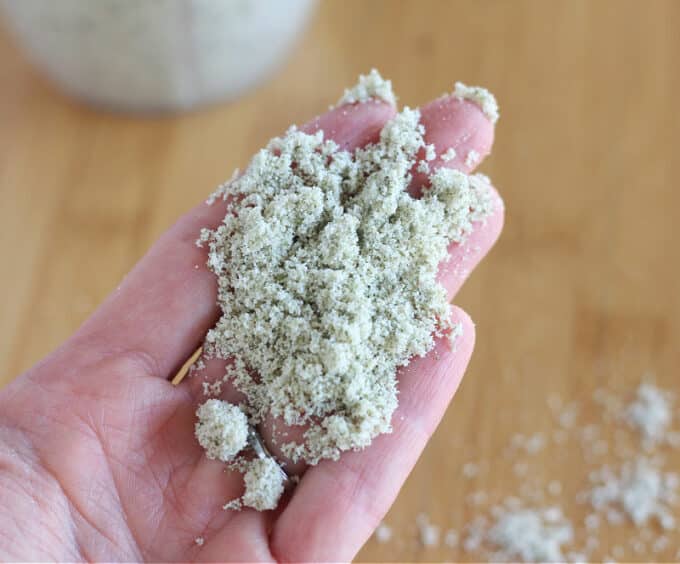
[[580, 293]]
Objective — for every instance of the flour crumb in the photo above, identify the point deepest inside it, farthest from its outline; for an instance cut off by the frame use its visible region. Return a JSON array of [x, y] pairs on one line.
[[480, 96], [199, 541], [429, 534], [530, 535], [651, 413], [264, 483], [472, 158], [430, 152], [451, 538], [370, 86], [233, 505], [222, 429], [449, 155], [554, 488], [383, 533], [470, 469]]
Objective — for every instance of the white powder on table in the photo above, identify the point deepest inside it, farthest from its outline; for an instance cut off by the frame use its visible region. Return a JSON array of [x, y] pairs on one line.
[[222, 429], [651, 413], [531, 535], [639, 488], [383, 533], [451, 538], [480, 96], [370, 86], [429, 533]]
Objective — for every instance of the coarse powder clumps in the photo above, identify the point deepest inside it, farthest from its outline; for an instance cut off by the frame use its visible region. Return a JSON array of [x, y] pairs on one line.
[[370, 86], [264, 483], [221, 429], [327, 275], [480, 96]]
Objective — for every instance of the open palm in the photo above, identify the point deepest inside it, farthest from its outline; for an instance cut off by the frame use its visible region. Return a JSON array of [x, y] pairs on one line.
[[97, 455]]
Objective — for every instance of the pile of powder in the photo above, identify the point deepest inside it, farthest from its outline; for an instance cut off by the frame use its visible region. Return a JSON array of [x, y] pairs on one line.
[[327, 277]]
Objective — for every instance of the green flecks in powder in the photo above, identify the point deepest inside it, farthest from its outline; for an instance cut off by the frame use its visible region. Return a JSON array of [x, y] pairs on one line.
[[327, 276]]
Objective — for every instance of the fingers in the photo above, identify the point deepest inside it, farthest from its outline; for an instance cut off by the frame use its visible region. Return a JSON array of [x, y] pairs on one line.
[[337, 505], [460, 132], [464, 257], [462, 136], [163, 308]]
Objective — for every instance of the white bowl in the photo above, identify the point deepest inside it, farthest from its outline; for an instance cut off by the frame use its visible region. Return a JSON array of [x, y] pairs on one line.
[[156, 55]]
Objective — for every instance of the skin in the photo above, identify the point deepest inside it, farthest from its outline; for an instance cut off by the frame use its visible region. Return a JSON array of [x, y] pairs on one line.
[[97, 455]]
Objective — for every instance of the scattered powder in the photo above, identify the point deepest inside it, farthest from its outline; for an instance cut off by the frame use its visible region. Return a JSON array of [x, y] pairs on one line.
[[640, 489], [636, 489], [370, 86], [472, 158], [470, 470], [264, 484], [660, 545], [554, 488], [199, 541], [449, 155], [592, 522], [651, 413], [429, 534], [221, 429], [383, 533], [528, 534], [567, 417], [520, 468], [480, 96], [327, 273], [477, 498], [451, 538], [531, 444]]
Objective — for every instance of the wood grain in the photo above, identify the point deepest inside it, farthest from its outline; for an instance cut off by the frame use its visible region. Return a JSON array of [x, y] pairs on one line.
[[581, 291]]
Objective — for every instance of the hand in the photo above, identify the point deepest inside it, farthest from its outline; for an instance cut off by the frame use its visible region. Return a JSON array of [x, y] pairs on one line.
[[97, 455]]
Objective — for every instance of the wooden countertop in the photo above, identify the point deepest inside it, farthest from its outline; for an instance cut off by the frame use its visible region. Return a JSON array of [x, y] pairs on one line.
[[580, 293]]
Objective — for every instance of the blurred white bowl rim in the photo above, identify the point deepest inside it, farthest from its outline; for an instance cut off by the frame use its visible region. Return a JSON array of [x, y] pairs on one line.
[[156, 55]]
